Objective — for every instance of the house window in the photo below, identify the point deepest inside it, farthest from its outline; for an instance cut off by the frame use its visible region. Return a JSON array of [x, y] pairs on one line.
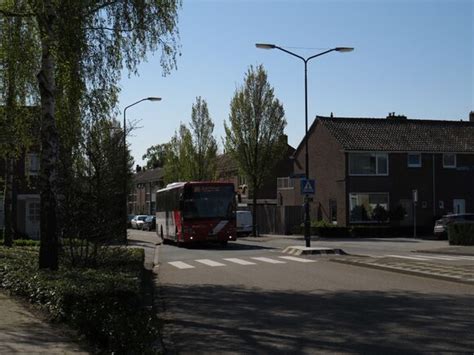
[[368, 164], [414, 160], [32, 164], [284, 183], [368, 207], [449, 160]]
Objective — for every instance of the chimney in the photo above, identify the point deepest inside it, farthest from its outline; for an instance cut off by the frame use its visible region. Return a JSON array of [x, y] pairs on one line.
[[393, 116], [138, 168], [471, 116]]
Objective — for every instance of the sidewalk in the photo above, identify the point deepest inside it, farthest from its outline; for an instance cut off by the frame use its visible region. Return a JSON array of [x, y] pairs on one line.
[[455, 273], [22, 332], [467, 250]]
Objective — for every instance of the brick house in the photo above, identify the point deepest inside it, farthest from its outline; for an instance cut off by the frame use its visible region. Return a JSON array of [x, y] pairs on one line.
[[142, 198], [361, 164], [26, 196]]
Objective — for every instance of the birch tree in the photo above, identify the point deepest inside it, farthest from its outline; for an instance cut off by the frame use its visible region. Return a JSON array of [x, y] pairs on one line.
[[255, 131], [93, 41]]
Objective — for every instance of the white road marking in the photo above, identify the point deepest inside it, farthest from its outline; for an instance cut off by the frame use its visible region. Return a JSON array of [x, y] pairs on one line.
[[181, 265], [406, 257], [448, 257], [436, 257], [268, 260], [239, 261], [209, 262], [301, 260]]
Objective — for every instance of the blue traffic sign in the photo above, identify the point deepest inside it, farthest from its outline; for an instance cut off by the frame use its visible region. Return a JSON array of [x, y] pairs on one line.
[[307, 186]]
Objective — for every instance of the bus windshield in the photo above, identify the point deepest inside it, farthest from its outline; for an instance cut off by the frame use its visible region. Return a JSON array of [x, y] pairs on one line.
[[209, 201]]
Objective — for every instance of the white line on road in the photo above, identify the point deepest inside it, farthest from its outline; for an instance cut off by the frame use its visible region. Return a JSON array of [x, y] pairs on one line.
[[301, 260], [181, 265], [239, 261], [437, 257], [406, 257], [209, 262], [268, 260]]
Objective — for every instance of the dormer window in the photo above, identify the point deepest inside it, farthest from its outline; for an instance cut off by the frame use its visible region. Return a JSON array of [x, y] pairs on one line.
[[414, 160], [449, 160]]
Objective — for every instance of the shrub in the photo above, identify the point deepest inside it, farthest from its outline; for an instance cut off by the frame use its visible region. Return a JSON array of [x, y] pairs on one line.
[[461, 233], [104, 303], [372, 231]]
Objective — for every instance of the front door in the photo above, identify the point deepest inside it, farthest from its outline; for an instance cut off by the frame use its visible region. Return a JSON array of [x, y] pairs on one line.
[[459, 206], [32, 223]]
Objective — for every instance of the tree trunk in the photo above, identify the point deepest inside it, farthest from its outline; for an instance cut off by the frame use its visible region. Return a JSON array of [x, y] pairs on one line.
[[254, 208], [48, 257]]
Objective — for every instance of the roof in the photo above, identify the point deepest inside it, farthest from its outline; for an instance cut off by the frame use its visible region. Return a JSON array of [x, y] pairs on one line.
[[150, 175], [398, 134]]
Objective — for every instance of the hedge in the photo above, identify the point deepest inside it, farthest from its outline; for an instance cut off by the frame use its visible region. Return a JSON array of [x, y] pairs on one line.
[[104, 304], [461, 233]]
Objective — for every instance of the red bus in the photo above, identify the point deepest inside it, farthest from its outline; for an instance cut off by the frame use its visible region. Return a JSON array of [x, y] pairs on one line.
[[189, 212]]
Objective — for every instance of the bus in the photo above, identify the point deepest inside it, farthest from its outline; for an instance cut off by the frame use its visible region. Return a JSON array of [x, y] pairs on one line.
[[188, 212]]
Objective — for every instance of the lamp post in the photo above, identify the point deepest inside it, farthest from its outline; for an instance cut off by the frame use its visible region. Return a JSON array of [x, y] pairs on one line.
[[307, 234], [151, 98]]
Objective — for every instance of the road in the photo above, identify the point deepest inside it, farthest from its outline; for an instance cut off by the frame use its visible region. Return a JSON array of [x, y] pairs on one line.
[[251, 298]]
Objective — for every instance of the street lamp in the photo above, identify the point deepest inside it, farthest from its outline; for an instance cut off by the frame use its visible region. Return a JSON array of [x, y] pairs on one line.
[[307, 235], [151, 98]]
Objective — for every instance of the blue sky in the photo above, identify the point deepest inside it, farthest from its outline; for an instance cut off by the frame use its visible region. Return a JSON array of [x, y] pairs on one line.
[[411, 57]]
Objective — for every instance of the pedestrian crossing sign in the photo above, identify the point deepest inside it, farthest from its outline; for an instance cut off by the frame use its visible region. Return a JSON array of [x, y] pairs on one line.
[[307, 186]]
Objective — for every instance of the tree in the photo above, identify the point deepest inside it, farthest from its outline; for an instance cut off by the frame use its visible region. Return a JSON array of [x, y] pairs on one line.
[[254, 137], [179, 155], [17, 87], [204, 143], [155, 156], [84, 46]]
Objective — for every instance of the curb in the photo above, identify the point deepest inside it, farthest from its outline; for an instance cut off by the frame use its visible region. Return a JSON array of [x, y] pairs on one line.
[[299, 250], [403, 271]]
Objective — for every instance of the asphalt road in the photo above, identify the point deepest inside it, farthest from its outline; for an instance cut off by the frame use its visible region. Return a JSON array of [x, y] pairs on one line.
[[230, 300]]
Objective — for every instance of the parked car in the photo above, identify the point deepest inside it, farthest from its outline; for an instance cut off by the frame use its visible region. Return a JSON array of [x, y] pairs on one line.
[[244, 223], [138, 220], [441, 225], [149, 224]]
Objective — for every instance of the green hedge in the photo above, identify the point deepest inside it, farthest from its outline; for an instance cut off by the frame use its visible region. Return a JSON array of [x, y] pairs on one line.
[[461, 233], [105, 304]]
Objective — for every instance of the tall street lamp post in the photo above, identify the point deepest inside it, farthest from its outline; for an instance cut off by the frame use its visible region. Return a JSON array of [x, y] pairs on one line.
[[307, 234], [125, 170]]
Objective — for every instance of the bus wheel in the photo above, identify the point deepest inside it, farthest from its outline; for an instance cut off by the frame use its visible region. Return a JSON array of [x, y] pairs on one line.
[[223, 243]]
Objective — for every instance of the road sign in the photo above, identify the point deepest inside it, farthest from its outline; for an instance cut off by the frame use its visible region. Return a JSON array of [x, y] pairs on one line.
[[307, 186]]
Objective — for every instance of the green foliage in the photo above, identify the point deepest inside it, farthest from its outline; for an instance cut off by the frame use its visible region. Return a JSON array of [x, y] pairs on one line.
[[191, 153], [460, 233], [256, 127], [104, 304], [155, 156], [204, 143]]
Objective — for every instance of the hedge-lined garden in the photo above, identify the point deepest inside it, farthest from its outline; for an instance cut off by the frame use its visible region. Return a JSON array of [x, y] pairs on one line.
[[104, 303]]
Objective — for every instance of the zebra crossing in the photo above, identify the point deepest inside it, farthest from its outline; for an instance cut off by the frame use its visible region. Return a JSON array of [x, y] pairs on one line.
[[229, 261], [424, 257]]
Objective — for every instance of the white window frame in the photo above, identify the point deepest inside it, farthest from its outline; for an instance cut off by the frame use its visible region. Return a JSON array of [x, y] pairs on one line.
[[285, 183], [377, 155], [411, 165], [366, 193], [29, 165], [450, 166]]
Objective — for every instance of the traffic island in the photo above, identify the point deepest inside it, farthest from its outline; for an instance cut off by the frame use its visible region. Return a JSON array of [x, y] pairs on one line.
[[300, 250]]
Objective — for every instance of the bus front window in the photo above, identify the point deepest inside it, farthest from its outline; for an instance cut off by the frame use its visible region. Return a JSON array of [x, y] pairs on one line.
[[209, 202]]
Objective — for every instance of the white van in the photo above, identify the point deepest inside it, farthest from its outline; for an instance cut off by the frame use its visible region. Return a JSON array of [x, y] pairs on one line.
[[244, 223]]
